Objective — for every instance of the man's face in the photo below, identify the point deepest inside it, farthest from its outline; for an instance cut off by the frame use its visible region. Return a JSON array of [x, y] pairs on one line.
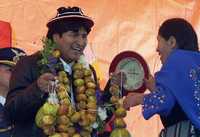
[[71, 44], [5, 72]]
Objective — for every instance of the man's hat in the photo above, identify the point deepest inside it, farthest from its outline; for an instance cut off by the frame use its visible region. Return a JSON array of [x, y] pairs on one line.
[[71, 14], [10, 56]]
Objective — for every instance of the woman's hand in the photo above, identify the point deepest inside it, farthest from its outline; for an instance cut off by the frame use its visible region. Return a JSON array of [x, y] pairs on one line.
[[150, 83], [133, 99]]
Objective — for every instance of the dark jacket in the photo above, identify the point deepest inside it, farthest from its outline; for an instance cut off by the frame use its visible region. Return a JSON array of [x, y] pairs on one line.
[[5, 123], [176, 115]]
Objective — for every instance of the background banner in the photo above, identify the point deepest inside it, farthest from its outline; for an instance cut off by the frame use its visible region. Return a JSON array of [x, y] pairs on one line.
[[119, 25]]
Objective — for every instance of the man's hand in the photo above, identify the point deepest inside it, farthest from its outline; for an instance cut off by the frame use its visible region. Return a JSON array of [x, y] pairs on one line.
[[118, 78], [44, 81]]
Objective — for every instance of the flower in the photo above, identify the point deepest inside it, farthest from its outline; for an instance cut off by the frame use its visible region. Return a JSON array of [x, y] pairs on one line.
[[83, 61], [102, 113]]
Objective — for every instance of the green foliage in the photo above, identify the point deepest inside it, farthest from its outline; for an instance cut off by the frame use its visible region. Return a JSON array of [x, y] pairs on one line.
[[48, 47], [101, 124], [44, 63]]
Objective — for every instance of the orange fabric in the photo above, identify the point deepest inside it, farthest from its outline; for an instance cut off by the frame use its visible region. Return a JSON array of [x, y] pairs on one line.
[[119, 25], [5, 34]]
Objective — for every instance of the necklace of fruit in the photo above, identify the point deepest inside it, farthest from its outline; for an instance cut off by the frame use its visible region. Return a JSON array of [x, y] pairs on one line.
[[59, 117], [120, 113]]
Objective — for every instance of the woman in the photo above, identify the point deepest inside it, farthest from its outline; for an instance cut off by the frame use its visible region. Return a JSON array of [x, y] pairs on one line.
[[175, 89]]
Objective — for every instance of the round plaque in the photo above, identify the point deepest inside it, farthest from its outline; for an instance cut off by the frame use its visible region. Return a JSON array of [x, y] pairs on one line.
[[135, 69]]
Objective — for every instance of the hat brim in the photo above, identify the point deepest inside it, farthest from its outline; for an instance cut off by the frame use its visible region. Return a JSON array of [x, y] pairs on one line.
[[89, 22], [7, 62]]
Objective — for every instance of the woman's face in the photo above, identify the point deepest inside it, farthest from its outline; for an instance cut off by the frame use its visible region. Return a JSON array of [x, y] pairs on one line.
[[165, 47]]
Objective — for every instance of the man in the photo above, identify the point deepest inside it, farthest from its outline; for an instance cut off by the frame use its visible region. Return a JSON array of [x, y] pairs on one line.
[[29, 88], [8, 58]]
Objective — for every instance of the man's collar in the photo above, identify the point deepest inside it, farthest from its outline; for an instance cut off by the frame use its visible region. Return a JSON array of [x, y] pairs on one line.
[[67, 66], [2, 100]]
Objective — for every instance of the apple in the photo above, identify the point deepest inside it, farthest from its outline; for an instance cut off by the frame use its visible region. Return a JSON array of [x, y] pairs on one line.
[[120, 112], [87, 72], [75, 117], [90, 92], [71, 131], [76, 135], [114, 99], [90, 84], [48, 120], [80, 90], [63, 119], [77, 66], [78, 74], [48, 130], [63, 134], [92, 105], [56, 53], [79, 82], [63, 109], [62, 74], [85, 133], [81, 105], [62, 127], [88, 79], [81, 97], [50, 109], [61, 95], [65, 101], [92, 99]]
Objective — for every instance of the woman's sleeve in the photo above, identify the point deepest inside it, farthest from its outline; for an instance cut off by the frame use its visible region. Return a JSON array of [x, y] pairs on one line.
[[159, 102]]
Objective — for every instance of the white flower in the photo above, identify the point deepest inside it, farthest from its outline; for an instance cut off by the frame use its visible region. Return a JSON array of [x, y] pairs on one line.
[[102, 113], [95, 125], [83, 61]]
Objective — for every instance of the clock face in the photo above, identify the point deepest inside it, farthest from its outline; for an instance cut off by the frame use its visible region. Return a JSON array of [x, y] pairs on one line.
[[133, 71]]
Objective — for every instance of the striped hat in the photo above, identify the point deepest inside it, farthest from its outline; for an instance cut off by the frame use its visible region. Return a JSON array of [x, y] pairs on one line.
[[71, 14]]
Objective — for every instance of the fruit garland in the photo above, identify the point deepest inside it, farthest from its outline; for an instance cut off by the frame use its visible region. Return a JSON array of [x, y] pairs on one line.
[[58, 117], [119, 114]]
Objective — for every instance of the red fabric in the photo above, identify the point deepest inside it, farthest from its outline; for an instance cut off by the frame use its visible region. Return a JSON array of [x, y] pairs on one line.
[[5, 34], [108, 126]]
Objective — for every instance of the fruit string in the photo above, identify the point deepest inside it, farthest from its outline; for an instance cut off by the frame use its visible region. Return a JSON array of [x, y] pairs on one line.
[[52, 92], [121, 83]]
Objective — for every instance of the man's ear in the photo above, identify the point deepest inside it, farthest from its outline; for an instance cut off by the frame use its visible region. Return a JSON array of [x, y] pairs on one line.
[[56, 37], [172, 42]]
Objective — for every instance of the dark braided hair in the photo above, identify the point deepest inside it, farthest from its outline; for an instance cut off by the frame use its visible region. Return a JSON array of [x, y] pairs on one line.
[[183, 32]]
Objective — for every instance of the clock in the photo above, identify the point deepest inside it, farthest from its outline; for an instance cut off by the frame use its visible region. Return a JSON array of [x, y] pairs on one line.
[[134, 68]]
